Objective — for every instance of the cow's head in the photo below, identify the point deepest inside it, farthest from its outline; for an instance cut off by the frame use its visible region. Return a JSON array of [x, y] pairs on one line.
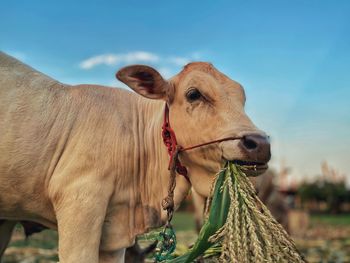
[[204, 105]]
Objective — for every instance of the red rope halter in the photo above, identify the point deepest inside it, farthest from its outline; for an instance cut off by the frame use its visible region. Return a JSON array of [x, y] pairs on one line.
[[169, 139]]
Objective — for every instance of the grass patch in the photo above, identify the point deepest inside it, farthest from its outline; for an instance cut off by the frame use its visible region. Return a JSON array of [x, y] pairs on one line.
[[47, 239], [336, 220], [183, 221]]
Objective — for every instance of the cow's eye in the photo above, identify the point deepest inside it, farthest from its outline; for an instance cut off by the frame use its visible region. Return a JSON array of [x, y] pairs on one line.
[[193, 94]]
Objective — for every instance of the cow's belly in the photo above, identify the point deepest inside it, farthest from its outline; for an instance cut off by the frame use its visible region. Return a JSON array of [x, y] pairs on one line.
[[23, 196], [30, 217], [25, 206]]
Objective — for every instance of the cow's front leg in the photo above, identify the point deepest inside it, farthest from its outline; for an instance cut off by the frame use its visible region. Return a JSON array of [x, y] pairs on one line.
[[112, 256], [6, 228], [80, 213], [116, 234]]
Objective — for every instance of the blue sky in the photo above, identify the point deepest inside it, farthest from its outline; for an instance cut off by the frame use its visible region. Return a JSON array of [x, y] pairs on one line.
[[292, 57]]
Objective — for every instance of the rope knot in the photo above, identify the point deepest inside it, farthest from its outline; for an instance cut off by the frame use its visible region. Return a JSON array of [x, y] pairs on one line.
[[168, 203]]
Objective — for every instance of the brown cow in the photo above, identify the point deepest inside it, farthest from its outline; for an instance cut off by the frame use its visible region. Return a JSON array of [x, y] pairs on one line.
[[89, 160]]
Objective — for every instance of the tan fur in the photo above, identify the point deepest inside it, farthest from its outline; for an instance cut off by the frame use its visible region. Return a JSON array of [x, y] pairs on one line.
[[89, 160]]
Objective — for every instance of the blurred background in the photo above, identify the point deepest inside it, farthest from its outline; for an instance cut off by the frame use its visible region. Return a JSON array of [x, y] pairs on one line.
[[292, 57]]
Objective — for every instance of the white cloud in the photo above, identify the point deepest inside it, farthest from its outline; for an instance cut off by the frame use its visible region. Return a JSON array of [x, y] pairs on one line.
[[179, 61], [115, 59], [138, 57]]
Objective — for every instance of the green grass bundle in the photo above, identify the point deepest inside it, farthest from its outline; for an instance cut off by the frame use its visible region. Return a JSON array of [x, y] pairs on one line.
[[239, 227]]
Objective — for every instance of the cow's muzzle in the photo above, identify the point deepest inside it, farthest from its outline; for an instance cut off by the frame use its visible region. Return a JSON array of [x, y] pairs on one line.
[[256, 147], [252, 152]]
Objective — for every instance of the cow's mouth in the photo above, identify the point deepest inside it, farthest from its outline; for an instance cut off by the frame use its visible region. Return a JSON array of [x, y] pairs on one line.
[[252, 168]]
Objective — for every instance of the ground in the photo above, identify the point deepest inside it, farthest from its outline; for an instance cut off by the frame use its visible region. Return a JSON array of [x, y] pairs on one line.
[[326, 240]]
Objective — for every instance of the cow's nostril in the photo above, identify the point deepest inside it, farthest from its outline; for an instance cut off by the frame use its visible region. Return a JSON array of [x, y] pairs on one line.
[[249, 143], [256, 147]]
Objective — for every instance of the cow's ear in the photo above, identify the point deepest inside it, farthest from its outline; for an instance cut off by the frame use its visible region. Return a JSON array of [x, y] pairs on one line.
[[144, 80]]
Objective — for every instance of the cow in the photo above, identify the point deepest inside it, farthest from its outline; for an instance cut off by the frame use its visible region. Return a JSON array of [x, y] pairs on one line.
[[89, 160]]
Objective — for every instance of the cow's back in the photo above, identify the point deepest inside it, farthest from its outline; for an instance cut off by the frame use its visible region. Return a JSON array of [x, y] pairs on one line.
[[15, 75]]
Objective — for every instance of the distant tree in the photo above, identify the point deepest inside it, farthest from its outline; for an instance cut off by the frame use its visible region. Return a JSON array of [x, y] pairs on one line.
[[333, 193]]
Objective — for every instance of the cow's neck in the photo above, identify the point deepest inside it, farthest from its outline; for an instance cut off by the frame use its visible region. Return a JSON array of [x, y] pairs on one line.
[[153, 181]]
